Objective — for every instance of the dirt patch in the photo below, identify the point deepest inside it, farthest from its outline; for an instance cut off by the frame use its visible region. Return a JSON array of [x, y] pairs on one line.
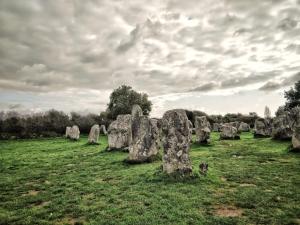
[[228, 211], [47, 182], [31, 193], [247, 185], [219, 193], [99, 180], [71, 221], [41, 204], [223, 179], [88, 197]]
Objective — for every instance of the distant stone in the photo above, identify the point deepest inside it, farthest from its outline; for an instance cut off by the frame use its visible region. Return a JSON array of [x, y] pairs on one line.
[[68, 132], [103, 129], [176, 143], [216, 127], [296, 138], [282, 127], [244, 127], [229, 132], [75, 133], [262, 128], [119, 133], [202, 128], [235, 124], [94, 135]]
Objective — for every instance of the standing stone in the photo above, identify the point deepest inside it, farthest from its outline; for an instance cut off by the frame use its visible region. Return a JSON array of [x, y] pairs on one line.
[[119, 133], [176, 143], [244, 127], [216, 127], [281, 127], [229, 132], [202, 128], [68, 131], [145, 137], [103, 129], [75, 133], [262, 128], [94, 135], [235, 124], [295, 117], [296, 138], [191, 131]]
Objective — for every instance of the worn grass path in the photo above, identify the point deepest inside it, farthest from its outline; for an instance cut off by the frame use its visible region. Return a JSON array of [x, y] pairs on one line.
[[56, 181]]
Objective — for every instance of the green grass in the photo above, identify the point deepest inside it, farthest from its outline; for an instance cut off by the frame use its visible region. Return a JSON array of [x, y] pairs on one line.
[[57, 181]]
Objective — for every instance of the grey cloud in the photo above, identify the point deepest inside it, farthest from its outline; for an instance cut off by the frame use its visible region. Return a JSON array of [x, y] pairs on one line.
[[237, 82], [15, 106], [158, 47], [205, 87], [127, 44], [287, 81]]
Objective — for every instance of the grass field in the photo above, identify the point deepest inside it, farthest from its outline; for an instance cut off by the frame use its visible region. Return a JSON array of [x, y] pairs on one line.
[[56, 181]]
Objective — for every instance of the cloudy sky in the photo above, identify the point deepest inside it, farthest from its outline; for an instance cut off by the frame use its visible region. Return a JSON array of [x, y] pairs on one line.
[[217, 56]]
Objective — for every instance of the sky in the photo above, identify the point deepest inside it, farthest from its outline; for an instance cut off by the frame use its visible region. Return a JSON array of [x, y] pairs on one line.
[[217, 56]]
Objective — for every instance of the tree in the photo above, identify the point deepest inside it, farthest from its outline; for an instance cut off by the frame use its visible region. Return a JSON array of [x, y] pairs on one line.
[[267, 113], [85, 122], [123, 98], [292, 96]]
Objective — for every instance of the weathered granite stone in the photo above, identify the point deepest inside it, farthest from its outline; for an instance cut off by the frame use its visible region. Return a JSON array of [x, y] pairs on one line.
[[282, 127], [202, 128], [191, 131], [145, 138], [235, 124], [262, 128], [229, 132], [295, 117], [119, 133], [244, 127], [94, 135], [176, 143], [296, 138], [74, 133], [103, 129], [68, 131]]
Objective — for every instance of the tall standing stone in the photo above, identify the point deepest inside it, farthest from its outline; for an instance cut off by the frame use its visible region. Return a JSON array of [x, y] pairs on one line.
[[191, 131], [119, 133], [262, 128], [176, 143], [202, 128], [103, 129], [94, 135], [145, 137], [295, 117], [75, 133], [229, 132]]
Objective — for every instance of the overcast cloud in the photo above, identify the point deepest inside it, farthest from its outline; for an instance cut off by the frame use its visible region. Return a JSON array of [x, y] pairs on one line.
[[218, 56]]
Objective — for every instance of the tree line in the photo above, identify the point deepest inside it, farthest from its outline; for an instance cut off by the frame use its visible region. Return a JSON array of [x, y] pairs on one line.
[[53, 123]]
